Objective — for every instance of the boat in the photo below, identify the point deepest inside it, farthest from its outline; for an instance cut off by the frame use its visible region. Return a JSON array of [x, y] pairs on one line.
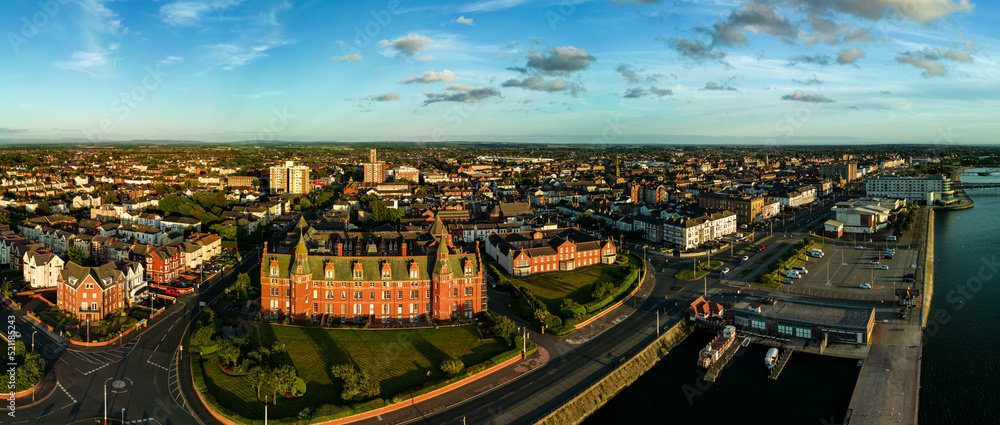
[[713, 351], [771, 358]]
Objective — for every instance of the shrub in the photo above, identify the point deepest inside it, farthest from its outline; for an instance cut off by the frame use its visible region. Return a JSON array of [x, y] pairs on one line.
[[452, 366], [553, 322]]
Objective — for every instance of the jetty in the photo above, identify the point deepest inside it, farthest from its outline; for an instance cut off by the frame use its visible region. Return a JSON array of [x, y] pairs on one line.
[[716, 368], [782, 361]]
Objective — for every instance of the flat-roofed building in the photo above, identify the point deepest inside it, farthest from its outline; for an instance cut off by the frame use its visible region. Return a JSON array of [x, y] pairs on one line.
[[786, 320]]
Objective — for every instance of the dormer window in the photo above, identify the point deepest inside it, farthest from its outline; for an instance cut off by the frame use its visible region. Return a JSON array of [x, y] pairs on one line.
[[414, 273], [358, 271], [329, 273], [385, 274], [274, 271], [87, 286]]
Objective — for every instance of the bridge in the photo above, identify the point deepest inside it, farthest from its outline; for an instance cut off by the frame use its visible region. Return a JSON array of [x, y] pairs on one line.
[[975, 185], [988, 171]]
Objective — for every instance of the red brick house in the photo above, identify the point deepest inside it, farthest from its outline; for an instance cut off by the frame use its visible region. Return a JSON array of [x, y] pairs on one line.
[[162, 264], [91, 292]]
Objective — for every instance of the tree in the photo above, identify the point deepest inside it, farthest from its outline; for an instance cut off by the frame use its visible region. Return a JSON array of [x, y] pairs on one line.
[[202, 335], [357, 384], [43, 208], [242, 281], [601, 289], [228, 233], [502, 326], [229, 349], [76, 254], [452, 366], [421, 193], [5, 219], [283, 378], [305, 204]]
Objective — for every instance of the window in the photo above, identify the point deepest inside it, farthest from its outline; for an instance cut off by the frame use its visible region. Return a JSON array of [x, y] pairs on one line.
[[371, 295], [454, 292], [468, 291], [385, 308], [386, 295], [84, 295], [385, 274], [89, 286], [414, 295], [315, 308], [414, 274], [428, 294], [357, 273], [274, 271], [288, 292], [329, 274], [357, 309], [399, 295], [93, 306], [358, 295]]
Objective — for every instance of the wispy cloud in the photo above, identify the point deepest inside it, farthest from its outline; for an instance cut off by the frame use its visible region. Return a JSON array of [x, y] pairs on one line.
[[491, 5], [190, 13], [263, 33], [384, 97], [432, 77], [171, 60], [463, 20], [408, 45], [258, 95], [461, 93], [92, 63], [799, 96]]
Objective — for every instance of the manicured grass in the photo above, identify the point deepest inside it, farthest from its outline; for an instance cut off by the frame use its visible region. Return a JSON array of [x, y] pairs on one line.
[[552, 287], [399, 359], [687, 273]]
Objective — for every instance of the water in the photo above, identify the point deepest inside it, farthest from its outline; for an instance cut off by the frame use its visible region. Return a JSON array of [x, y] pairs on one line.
[[811, 390], [959, 375], [960, 357]]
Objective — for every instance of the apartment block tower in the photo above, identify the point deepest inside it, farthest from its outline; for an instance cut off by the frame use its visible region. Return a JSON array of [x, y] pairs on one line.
[[374, 170], [290, 178]]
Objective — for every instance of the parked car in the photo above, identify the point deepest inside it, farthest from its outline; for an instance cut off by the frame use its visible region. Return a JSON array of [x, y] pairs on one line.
[[787, 281], [172, 291], [873, 262], [865, 286], [883, 267], [909, 275], [859, 247], [725, 271]]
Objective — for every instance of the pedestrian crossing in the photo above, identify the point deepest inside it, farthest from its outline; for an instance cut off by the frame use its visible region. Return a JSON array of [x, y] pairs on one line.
[[113, 356]]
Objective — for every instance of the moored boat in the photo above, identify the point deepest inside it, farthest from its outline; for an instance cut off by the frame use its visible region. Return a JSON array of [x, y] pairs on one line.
[[771, 358]]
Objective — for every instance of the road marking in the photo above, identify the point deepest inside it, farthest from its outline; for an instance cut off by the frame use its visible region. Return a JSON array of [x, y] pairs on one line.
[[97, 369], [150, 361], [67, 392]]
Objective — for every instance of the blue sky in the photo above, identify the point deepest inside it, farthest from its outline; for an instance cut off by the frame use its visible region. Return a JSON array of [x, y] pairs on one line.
[[618, 71]]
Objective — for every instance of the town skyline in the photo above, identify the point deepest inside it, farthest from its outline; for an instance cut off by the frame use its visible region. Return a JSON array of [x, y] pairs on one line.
[[698, 72]]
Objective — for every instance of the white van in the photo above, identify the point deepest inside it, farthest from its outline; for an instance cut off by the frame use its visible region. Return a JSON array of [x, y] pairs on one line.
[[800, 269], [816, 252], [793, 274]]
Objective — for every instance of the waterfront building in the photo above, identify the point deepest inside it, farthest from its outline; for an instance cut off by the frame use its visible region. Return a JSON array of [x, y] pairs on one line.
[[924, 189], [786, 320]]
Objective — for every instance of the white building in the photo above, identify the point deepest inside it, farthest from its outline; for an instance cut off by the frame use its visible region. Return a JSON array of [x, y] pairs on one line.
[[927, 189], [796, 198], [688, 233], [41, 269]]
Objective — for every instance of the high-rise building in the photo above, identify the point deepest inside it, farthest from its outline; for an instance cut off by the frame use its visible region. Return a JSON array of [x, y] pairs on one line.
[[374, 170], [290, 178]]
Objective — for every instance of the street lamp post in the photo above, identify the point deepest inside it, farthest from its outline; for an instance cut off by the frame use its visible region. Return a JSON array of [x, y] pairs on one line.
[[33, 341]]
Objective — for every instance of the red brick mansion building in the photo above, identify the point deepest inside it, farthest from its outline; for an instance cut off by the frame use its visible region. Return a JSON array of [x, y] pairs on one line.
[[526, 253], [441, 285]]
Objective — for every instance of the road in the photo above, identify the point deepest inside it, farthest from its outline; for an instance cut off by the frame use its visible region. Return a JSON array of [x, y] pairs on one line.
[[140, 374]]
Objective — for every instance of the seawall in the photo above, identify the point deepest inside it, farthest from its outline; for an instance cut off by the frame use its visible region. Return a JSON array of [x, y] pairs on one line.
[[588, 401], [928, 291]]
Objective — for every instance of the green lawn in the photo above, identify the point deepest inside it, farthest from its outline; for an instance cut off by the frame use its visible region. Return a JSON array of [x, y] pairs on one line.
[[687, 273], [399, 359], [552, 287]]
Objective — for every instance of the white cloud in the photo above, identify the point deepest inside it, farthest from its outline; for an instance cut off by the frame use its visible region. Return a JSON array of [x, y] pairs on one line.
[[348, 58], [171, 60], [849, 56], [426, 58], [384, 97], [408, 45], [432, 77], [463, 20]]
